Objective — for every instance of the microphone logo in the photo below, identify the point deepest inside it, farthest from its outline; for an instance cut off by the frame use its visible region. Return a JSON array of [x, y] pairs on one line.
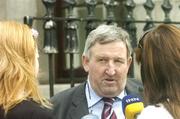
[[135, 99], [132, 106]]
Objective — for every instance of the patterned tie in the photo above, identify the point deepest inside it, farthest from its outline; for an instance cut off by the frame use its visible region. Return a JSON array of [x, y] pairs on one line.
[[108, 102]]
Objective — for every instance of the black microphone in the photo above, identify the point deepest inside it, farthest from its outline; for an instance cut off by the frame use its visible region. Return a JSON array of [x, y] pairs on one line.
[[132, 105], [90, 116]]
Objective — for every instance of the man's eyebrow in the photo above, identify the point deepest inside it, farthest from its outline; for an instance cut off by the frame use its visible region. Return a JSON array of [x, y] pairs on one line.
[[101, 56]]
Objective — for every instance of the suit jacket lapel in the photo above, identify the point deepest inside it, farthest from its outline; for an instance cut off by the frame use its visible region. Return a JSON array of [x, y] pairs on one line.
[[79, 106]]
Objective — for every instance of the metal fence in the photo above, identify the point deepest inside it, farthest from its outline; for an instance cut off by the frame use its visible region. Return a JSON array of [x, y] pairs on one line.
[[71, 22]]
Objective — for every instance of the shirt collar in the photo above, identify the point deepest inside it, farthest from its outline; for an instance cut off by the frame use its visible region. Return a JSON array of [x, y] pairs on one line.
[[121, 95], [92, 97]]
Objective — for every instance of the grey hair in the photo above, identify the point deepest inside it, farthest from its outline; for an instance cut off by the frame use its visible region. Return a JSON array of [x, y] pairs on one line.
[[105, 34]]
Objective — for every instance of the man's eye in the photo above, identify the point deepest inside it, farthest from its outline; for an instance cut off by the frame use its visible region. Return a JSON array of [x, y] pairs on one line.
[[119, 61], [102, 60]]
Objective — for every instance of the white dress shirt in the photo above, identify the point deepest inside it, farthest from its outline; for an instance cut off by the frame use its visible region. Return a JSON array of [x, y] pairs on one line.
[[95, 104]]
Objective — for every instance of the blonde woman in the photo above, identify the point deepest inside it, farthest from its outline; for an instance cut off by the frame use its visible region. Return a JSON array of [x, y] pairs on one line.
[[19, 95]]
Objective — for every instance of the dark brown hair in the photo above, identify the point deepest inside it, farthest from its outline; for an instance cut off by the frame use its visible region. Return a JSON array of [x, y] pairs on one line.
[[158, 53]]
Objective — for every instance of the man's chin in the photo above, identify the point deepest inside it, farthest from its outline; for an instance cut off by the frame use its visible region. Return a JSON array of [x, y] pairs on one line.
[[110, 92]]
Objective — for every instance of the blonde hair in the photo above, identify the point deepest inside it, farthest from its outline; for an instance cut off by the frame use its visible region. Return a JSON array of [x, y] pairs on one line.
[[17, 61]]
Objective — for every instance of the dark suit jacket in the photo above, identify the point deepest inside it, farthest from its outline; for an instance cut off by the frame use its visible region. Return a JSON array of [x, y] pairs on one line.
[[72, 103]]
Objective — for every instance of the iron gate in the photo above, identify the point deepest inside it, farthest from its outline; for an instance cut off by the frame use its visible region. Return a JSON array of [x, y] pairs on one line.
[[71, 21]]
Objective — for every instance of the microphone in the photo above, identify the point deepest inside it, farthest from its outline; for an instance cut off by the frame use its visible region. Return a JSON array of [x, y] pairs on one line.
[[90, 116], [132, 106]]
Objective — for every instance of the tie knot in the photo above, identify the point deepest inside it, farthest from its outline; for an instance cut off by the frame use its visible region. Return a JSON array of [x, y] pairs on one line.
[[108, 100]]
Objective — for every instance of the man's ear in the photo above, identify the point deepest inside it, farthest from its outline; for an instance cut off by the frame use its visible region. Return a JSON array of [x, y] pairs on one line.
[[129, 61], [85, 63]]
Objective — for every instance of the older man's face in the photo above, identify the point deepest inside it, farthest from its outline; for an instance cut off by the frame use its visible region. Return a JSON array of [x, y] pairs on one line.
[[107, 68]]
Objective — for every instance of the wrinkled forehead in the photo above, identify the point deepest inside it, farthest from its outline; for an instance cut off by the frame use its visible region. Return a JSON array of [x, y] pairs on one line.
[[108, 47]]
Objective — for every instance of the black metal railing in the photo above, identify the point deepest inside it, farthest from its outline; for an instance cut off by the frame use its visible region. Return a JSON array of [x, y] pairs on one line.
[[127, 20]]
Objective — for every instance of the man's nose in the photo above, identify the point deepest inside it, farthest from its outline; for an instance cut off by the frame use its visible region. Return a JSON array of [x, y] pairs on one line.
[[111, 69]]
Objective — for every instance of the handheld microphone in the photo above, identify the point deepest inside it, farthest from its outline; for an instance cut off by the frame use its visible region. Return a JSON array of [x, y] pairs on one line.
[[90, 116], [132, 106]]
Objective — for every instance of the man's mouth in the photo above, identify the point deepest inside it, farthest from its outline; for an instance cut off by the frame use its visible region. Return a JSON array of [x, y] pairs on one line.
[[109, 80]]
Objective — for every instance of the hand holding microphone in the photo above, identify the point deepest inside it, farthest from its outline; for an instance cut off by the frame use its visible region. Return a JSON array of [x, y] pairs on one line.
[[132, 106]]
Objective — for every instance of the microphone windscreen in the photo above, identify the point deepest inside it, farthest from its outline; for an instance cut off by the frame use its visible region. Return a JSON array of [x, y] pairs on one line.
[[132, 105], [90, 116]]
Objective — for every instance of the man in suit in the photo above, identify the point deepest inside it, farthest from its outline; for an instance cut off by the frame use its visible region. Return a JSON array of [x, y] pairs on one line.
[[106, 58]]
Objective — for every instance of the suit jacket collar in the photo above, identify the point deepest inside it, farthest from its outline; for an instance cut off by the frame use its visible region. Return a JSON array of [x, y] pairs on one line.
[[79, 106]]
